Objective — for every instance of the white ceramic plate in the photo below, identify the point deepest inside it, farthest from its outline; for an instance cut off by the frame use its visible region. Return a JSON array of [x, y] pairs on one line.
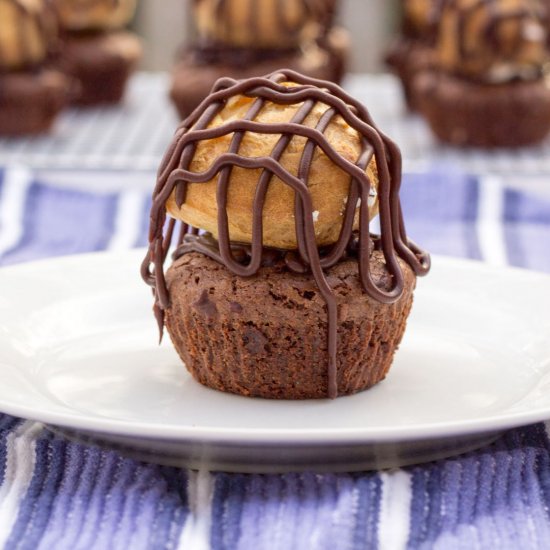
[[78, 351]]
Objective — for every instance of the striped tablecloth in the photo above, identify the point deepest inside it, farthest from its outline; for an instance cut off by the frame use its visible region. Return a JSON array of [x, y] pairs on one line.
[[60, 495]]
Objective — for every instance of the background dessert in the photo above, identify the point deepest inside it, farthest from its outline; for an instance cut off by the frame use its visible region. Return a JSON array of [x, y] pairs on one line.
[[271, 308], [32, 94], [413, 51], [97, 51], [274, 24], [488, 87], [86, 15], [240, 39]]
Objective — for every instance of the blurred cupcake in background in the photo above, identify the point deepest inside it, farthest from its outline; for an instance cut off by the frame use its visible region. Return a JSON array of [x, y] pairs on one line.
[[488, 87], [97, 50], [413, 51], [32, 93], [545, 6], [241, 39]]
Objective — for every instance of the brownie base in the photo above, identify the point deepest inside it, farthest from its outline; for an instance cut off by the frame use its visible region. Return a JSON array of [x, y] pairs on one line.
[[266, 336], [406, 59], [466, 113], [101, 62], [192, 79], [30, 101]]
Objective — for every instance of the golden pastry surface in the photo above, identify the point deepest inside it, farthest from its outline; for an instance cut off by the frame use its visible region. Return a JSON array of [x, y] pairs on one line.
[[77, 15], [495, 40], [328, 184], [27, 32]]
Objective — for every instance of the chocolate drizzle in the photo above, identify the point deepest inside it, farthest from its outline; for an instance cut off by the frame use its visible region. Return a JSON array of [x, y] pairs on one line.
[[175, 175]]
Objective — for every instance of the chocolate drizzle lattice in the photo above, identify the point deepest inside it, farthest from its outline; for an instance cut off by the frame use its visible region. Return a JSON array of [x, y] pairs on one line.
[[175, 175]]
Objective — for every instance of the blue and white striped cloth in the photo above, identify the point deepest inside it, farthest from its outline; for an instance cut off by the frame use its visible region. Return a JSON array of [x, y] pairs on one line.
[[60, 495]]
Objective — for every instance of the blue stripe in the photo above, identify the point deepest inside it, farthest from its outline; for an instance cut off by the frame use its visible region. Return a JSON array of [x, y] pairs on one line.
[[276, 511], [227, 505], [35, 509], [527, 230], [440, 197], [470, 208], [425, 483], [2, 174], [173, 508], [7, 425], [523, 207], [82, 497], [143, 239], [79, 479], [369, 489], [440, 212], [512, 211], [494, 492], [61, 222], [536, 437]]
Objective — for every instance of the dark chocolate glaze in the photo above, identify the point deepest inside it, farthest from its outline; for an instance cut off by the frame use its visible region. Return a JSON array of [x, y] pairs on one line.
[[174, 175], [42, 19]]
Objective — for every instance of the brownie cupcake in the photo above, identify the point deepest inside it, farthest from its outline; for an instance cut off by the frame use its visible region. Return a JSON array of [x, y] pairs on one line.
[[97, 51], [488, 88], [31, 94], [413, 51], [240, 39], [277, 288]]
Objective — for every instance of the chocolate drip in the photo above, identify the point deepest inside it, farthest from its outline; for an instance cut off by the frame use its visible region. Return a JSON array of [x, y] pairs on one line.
[[175, 174]]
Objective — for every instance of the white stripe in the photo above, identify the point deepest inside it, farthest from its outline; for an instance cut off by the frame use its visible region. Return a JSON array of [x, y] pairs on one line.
[[395, 510], [196, 531], [490, 221], [128, 220], [19, 471], [17, 181]]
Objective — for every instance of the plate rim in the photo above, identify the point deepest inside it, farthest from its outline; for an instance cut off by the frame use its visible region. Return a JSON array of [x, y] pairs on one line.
[[297, 437]]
